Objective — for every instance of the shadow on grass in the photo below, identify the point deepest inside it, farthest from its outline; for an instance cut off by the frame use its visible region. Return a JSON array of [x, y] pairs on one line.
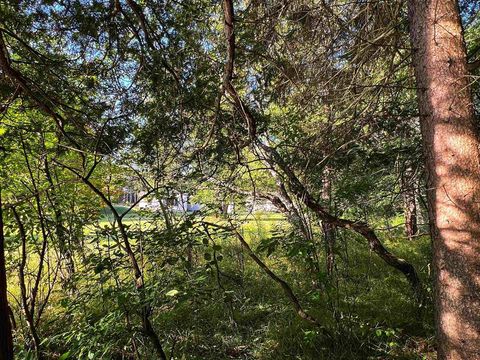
[[369, 310]]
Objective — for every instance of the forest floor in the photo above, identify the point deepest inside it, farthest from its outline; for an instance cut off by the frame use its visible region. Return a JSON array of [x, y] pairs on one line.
[[367, 306], [240, 313]]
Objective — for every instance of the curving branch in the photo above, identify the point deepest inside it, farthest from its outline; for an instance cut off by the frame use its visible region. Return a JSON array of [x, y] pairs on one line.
[[281, 200], [275, 161], [17, 78], [286, 288], [284, 285], [27, 300], [229, 29], [148, 33], [148, 329]]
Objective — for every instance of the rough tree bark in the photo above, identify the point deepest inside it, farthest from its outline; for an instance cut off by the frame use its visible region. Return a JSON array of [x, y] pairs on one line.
[[451, 144], [6, 342]]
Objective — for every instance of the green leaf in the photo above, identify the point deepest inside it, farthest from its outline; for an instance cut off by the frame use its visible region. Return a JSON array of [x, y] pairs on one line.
[[172, 292], [3, 130], [64, 356], [49, 144]]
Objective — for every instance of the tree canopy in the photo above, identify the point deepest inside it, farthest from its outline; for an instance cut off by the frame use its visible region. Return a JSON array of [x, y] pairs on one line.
[[239, 179]]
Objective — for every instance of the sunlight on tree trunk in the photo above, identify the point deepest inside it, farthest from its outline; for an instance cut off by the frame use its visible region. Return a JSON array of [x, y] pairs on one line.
[[451, 145]]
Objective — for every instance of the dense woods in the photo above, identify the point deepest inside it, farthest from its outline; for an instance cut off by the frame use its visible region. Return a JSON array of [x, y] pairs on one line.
[[278, 179]]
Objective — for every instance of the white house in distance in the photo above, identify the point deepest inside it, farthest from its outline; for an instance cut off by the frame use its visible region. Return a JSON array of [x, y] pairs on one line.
[[178, 202], [262, 205]]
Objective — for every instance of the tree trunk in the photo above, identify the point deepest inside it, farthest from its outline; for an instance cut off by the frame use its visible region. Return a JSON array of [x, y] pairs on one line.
[[409, 203], [6, 342], [24, 296], [327, 228], [451, 145]]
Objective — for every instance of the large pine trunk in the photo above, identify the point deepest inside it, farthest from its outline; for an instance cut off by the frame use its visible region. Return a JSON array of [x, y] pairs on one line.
[[6, 345], [451, 145]]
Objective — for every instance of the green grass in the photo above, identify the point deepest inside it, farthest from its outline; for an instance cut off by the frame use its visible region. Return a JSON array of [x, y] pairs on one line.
[[367, 306], [106, 213]]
